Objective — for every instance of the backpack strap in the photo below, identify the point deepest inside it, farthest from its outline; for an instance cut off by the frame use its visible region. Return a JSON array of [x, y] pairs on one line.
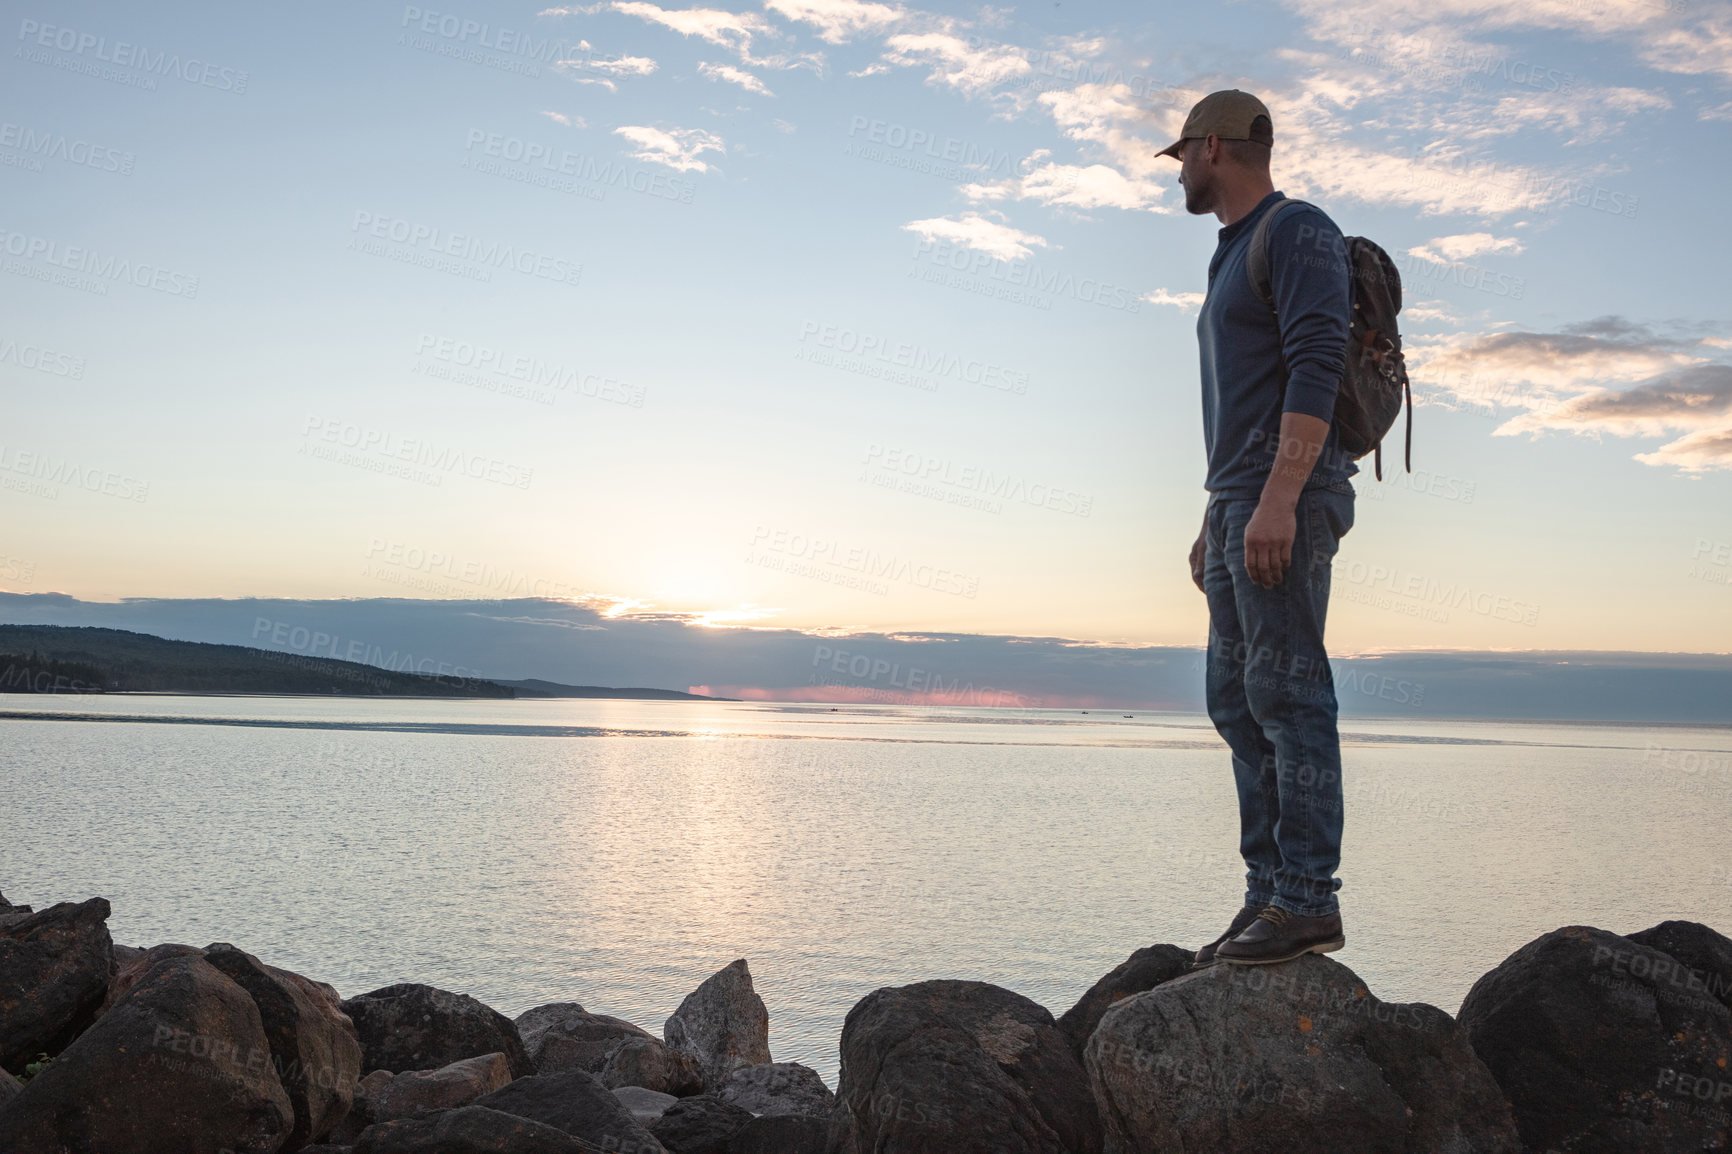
[[1257, 259]]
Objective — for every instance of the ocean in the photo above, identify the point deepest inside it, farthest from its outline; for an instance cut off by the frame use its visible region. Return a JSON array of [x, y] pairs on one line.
[[616, 853]]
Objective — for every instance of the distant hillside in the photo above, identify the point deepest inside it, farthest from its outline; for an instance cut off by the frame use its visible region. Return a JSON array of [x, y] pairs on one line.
[[82, 659], [535, 687]]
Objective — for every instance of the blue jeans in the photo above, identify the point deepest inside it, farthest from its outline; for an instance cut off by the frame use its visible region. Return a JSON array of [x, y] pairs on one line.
[[1272, 698]]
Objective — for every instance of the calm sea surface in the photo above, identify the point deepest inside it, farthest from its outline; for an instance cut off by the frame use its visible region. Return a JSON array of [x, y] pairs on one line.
[[616, 853]]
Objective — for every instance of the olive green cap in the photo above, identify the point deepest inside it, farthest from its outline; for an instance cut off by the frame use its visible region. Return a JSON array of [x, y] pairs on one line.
[[1228, 114]]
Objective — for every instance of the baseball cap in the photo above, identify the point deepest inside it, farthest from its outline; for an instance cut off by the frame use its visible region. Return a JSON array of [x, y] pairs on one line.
[[1228, 114]]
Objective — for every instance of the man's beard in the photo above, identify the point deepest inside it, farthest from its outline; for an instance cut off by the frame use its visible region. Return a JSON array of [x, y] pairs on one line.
[[1196, 199]]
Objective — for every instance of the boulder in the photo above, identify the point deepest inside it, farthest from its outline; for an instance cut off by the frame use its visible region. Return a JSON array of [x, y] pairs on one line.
[[778, 1088], [702, 1124], [313, 1044], [951, 1067], [54, 971], [563, 1036], [132, 964], [10, 913], [1610, 1043], [1297, 1057], [391, 1096], [722, 1025], [415, 1027], [575, 1103], [467, 1130], [645, 1105], [1143, 970], [10, 1088], [780, 1134], [180, 1063]]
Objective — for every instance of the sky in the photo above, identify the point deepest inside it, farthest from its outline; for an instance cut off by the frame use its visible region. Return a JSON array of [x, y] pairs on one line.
[[833, 315]]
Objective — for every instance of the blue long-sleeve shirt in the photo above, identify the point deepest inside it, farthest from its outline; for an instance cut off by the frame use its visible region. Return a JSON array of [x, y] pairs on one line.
[[1255, 366]]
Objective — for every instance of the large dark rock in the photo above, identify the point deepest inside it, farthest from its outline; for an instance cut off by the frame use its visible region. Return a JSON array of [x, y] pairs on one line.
[[780, 1134], [384, 1097], [313, 1044], [415, 1027], [575, 1103], [54, 971], [699, 1125], [467, 1130], [778, 1088], [1298, 1058], [132, 964], [1143, 970], [1605, 1043], [563, 1036], [10, 1088], [10, 913], [722, 1024], [181, 1063], [949, 1067]]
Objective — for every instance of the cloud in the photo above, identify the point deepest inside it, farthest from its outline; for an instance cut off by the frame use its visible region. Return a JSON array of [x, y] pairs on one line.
[[1693, 398], [677, 148], [838, 20], [734, 76], [732, 30], [1187, 302], [1074, 186], [1448, 249], [965, 64], [1696, 453], [972, 230], [562, 118], [624, 66]]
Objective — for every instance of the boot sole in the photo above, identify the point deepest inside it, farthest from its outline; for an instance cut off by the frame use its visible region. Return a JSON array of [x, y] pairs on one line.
[[1328, 947]]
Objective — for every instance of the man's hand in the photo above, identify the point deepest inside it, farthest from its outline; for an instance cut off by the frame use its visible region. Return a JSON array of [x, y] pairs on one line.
[[1269, 542], [1199, 551]]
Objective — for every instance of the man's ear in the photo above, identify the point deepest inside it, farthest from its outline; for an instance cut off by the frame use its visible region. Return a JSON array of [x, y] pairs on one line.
[[1212, 148]]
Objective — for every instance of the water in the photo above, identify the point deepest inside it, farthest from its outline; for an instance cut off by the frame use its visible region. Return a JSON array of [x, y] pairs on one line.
[[616, 853]]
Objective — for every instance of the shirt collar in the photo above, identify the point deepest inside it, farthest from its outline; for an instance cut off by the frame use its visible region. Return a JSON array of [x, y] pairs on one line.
[[1249, 219]]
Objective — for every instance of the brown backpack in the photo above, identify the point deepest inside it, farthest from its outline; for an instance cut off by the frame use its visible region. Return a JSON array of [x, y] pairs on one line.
[[1374, 383]]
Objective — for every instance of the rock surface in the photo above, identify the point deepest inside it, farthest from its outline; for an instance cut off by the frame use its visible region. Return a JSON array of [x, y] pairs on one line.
[[132, 964], [314, 1049], [778, 1088], [699, 1125], [467, 1130], [1297, 1057], [645, 1105], [1143, 970], [415, 1027], [722, 1025], [384, 1097], [180, 1063], [1607, 1043], [10, 1088], [54, 971], [780, 1134], [10, 913], [950, 1067], [575, 1103], [563, 1036]]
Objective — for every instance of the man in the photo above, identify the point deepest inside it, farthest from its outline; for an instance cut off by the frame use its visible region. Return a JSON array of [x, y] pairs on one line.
[[1279, 502]]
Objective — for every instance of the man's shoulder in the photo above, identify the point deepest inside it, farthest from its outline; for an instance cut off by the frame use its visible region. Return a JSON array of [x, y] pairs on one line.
[[1296, 215]]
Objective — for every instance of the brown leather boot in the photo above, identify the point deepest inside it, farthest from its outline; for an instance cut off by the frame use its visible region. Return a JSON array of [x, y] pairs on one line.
[[1206, 955], [1278, 935]]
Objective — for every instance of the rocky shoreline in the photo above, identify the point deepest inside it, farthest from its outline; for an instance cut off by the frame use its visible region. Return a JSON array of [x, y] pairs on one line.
[[1583, 1041]]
